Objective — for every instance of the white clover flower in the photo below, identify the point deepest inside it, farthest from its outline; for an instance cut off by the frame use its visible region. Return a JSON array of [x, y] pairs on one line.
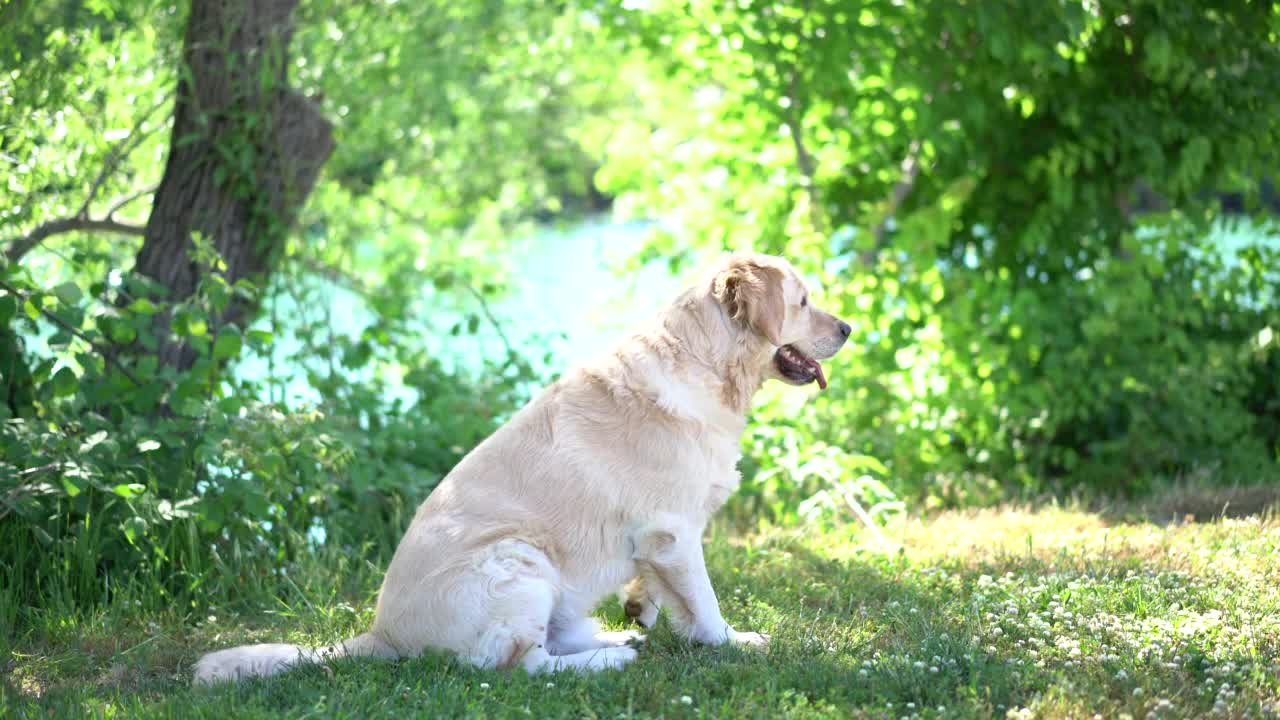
[[686, 700], [484, 686]]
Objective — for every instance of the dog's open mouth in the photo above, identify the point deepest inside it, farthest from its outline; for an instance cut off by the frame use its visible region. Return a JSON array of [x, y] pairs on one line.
[[798, 368]]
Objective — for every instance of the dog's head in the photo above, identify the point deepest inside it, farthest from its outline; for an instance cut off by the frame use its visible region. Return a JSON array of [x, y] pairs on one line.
[[764, 296]]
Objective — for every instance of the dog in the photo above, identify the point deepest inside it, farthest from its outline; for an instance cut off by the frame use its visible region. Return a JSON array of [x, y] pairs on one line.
[[605, 480]]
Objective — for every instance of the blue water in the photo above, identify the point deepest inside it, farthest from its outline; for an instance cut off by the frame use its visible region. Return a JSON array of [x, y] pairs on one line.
[[572, 294]]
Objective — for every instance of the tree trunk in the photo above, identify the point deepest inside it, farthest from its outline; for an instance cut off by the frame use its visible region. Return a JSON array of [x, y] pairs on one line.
[[245, 152]]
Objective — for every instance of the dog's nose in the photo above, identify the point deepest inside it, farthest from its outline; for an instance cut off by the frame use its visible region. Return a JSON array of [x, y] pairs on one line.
[[844, 328]]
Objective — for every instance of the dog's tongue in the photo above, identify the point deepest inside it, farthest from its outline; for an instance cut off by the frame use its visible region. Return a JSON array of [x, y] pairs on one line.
[[817, 370]]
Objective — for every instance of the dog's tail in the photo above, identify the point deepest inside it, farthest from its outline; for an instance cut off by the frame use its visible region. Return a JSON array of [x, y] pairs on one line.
[[248, 661]]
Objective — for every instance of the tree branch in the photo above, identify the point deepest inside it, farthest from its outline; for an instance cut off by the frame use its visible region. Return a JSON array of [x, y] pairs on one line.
[[120, 151], [902, 190], [357, 286], [488, 314], [20, 246], [335, 275], [17, 247], [129, 198], [104, 352], [794, 120]]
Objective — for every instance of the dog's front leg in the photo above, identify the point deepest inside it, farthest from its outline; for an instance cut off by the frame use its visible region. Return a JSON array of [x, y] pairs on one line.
[[668, 555]]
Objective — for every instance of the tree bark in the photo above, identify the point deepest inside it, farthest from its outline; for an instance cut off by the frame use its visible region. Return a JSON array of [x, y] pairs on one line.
[[244, 155]]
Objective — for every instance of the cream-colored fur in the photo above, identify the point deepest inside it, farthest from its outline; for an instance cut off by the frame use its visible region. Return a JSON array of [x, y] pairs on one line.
[[608, 477]]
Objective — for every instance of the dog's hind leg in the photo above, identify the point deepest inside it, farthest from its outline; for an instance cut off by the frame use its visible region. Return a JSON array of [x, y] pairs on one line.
[[518, 636], [519, 621], [609, 658], [570, 634]]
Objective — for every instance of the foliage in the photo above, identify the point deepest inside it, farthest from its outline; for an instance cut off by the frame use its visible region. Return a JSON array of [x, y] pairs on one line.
[[151, 475], [1011, 202]]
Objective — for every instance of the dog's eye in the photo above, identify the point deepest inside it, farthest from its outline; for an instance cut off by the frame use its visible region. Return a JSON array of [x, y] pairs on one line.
[[804, 301]]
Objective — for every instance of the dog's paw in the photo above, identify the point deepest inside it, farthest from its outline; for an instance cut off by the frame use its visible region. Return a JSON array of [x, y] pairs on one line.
[[620, 637], [750, 639], [613, 658]]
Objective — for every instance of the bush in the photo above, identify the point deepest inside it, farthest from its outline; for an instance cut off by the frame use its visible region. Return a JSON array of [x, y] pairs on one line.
[[115, 472], [1158, 361]]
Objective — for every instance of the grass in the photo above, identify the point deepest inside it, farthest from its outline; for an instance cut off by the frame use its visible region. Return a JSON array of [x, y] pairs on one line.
[[1009, 613]]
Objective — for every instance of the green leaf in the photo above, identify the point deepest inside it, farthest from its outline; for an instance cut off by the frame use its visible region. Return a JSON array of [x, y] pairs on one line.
[[68, 293], [134, 528], [129, 490], [228, 343], [231, 404], [271, 464], [101, 7], [119, 332], [143, 306], [173, 511], [71, 488], [255, 504], [65, 382], [8, 308], [92, 441]]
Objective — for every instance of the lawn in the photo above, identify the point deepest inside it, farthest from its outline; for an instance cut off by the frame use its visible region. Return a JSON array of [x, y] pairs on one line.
[[1018, 613]]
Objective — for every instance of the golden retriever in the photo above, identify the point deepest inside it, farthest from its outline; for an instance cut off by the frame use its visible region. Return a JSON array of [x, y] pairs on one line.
[[608, 478]]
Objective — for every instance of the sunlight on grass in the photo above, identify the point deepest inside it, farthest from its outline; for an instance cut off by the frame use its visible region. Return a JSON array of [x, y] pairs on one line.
[[1010, 612]]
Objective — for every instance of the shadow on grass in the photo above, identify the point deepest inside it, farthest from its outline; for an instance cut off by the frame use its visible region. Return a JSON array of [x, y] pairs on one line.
[[1196, 504], [859, 634]]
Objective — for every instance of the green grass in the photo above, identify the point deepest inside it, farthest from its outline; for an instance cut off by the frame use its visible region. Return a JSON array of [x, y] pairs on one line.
[[1048, 613]]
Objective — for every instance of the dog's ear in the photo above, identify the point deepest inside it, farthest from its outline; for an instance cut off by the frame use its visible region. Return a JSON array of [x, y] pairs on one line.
[[751, 293]]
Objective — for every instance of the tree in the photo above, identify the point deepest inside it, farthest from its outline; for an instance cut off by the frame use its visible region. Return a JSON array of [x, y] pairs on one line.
[[246, 150]]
